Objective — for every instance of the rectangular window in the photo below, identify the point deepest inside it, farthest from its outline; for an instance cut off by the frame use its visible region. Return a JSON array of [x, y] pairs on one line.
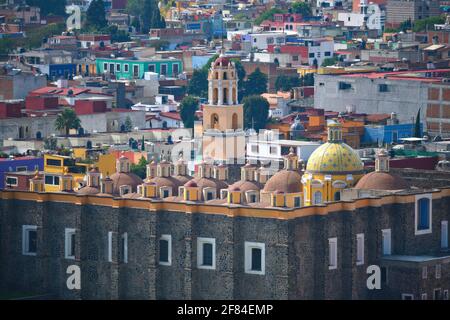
[[273, 150], [386, 238], [126, 68], [424, 296], [383, 87], [29, 240], [423, 212], [52, 180], [53, 162], [424, 272], [206, 253], [311, 55], [254, 255], [70, 243], [438, 271], [444, 234], [360, 249], [124, 247], [111, 68], [445, 297], [297, 202], [151, 68], [332, 253], [136, 71], [407, 296], [163, 69], [327, 54], [21, 168], [118, 67], [165, 250], [294, 58], [344, 85], [176, 69], [255, 148], [11, 181], [105, 66], [110, 244], [437, 294]]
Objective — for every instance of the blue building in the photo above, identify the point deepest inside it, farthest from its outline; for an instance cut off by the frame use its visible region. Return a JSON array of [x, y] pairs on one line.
[[382, 134], [19, 164]]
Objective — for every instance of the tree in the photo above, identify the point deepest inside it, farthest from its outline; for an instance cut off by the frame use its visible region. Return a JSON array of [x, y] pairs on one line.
[[188, 107], [256, 112], [240, 71], [307, 80], [67, 120], [267, 15], [140, 169], [256, 83], [198, 85], [427, 23], [49, 7], [50, 143], [128, 125], [417, 133], [148, 14], [96, 16], [302, 8], [286, 83], [329, 62]]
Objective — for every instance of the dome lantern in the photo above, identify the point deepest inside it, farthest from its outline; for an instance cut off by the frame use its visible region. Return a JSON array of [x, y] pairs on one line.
[[334, 132]]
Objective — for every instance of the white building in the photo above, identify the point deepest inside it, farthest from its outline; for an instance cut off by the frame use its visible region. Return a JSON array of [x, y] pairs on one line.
[[319, 50], [371, 15]]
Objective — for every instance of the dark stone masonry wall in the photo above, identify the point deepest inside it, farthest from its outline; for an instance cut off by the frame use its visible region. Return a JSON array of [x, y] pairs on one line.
[[296, 252]]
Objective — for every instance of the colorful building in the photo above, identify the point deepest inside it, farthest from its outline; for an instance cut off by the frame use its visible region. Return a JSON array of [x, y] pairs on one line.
[[60, 169], [19, 164], [135, 69]]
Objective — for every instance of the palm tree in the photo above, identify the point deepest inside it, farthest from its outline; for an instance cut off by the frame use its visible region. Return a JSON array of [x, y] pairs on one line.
[[67, 120]]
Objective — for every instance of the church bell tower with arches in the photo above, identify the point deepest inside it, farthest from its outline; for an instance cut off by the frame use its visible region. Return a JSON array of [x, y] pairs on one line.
[[223, 116]]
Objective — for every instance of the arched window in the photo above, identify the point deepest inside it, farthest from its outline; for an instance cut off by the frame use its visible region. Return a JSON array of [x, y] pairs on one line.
[[225, 76], [225, 96], [214, 121], [234, 121], [215, 95], [423, 214], [317, 197], [217, 75]]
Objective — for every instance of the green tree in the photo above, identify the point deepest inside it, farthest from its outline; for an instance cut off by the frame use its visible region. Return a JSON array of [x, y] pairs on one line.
[[267, 15], [256, 83], [307, 80], [240, 71], [128, 125], [329, 61], [188, 107], [96, 15], [49, 7], [405, 25], [148, 14], [256, 112], [417, 126], [302, 8], [286, 83], [67, 120], [198, 85], [140, 169], [427, 23]]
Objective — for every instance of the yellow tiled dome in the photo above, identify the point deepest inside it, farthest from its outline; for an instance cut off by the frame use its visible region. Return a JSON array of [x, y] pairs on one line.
[[333, 158]]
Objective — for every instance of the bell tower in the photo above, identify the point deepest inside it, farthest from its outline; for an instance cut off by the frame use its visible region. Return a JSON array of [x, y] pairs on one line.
[[223, 116]]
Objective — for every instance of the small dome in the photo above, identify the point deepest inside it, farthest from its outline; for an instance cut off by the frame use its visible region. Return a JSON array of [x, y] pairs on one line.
[[191, 184], [378, 180], [287, 181], [182, 180], [125, 179], [221, 61], [334, 158], [245, 186], [87, 191]]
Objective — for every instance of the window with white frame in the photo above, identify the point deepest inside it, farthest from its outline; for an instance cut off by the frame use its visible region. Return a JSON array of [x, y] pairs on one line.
[[70, 243], [29, 240], [255, 258], [424, 272], [424, 296], [11, 181], [118, 67], [297, 202], [110, 244], [386, 241], [206, 253], [105, 66], [126, 68], [360, 249], [437, 294], [165, 192], [332, 253], [21, 168], [423, 214], [444, 234], [407, 296], [438, 271], [445, 297], [124, 248], [165, 250]]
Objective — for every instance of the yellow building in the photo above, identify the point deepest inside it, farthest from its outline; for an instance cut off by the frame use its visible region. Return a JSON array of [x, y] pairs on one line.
[[223, 116], [58, 168], [331, 168]]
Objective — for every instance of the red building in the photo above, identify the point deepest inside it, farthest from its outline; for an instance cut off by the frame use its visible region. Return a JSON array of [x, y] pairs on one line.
[[90, 106], [18, 180], [41, 102], [11, 109]]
